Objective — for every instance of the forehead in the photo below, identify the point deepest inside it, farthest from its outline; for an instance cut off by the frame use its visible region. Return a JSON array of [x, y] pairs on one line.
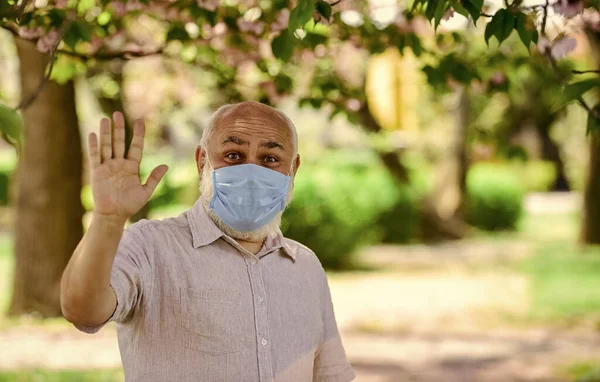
[[253, 124]]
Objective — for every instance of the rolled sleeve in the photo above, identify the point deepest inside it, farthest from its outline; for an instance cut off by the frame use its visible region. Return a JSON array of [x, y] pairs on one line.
[[130, 275], [331, 364]]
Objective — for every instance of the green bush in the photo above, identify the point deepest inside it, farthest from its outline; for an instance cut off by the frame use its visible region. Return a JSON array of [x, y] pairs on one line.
[[346, 201], [4, 187], [8, 162], [495, 197]]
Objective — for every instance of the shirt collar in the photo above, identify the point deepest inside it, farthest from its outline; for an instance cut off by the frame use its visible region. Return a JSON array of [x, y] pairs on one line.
[[205, 231]]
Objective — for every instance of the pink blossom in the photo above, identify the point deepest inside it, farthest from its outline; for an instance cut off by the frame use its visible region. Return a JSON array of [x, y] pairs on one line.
[[256, 27], [61, 4], [282, 21], [448, 14], [497, 78], [31, 33], [568, 8], [133, 6], [119, 9], [559, 47], [353, 104], [46, 43], [563, 46], [209, 5], [270, 90]]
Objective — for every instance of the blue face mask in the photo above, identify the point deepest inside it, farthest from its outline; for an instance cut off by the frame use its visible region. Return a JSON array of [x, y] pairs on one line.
[[247, 197]]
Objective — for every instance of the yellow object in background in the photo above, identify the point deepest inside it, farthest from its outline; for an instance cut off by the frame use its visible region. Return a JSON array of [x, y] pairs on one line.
[[392, 89]]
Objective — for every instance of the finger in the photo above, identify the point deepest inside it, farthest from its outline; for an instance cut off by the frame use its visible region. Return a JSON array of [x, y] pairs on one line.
[[105, 146], [118, 136], [137, 143], [93, 153], [155, 177]]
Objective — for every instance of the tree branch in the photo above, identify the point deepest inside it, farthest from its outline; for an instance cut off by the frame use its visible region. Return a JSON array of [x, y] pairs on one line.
[[585, 71], [21, 8], [553, 63], [104, 56], [26, 101]]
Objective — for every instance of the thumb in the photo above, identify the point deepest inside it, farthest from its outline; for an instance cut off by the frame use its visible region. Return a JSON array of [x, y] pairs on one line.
[[155, 177]]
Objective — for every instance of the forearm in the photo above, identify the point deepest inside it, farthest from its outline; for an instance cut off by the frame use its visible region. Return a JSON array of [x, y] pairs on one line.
[[86, 295]]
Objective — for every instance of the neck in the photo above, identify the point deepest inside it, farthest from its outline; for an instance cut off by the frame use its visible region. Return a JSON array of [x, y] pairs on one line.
[[251, 246]]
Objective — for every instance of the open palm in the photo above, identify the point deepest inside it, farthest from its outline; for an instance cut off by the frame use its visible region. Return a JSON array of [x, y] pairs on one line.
[[115, 179]]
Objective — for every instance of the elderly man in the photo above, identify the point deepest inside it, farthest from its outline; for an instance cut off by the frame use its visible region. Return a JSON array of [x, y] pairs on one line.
[[217, 293]]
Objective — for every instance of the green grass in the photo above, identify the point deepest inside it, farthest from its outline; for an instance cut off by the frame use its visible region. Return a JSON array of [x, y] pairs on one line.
[[565, 280], [62, 376], [6, 268], [582, 372]]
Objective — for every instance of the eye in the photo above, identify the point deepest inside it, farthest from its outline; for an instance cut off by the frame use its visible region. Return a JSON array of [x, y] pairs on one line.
[[270, 159], [233, 156]]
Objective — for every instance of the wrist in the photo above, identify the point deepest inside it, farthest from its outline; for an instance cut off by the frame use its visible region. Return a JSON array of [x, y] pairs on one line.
[[114, 221]]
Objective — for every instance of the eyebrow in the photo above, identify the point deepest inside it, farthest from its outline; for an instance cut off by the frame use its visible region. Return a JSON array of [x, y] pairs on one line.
[[273, 145], [241, 142], [236, 140]]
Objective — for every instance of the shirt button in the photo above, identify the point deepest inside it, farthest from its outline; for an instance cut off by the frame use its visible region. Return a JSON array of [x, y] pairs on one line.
[[253, 261], [264, 342], [260, 300]]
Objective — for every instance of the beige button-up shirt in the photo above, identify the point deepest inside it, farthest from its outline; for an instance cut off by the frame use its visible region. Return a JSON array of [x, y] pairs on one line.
[[193, 305]]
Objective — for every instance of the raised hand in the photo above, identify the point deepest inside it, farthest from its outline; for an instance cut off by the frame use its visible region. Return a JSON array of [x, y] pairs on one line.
[[115, 179]]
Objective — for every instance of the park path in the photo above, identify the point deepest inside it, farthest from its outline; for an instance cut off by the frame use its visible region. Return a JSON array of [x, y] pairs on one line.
[[491, 356], [422, 326]]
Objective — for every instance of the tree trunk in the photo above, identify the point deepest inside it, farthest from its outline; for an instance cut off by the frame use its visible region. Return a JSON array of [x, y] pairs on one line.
[[551, 153], [49, 179], [461, 148], [591, 209], [590, 232], [433, 227]]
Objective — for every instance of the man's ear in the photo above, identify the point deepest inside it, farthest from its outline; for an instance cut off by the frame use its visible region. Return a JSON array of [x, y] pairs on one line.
[[200, 159], [295, 167], [297, 164]]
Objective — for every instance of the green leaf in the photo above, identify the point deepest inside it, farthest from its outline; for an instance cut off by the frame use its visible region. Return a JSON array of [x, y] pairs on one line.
[[11, 124], [283, 46], [177, 32], [507, 24], [313, 39], [75, 32], [593, 124], [324, 9], [84, 6], [578, 89], [104, 18], [521, 26], [301, 14], [501, 26], [441, 8], [474, 8], [490, 30], [283, 83], [459, 8], [57, 17], [415, 44]]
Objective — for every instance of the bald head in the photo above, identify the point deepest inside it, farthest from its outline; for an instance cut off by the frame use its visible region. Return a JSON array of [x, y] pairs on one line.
[[249, 133], [248, 112]]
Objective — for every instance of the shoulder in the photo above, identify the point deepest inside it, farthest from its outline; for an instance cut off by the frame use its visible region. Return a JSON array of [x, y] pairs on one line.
[[153, 231], [304, 255]]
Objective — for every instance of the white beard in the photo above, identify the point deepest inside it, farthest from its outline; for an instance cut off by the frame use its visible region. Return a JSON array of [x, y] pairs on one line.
[[206, 193]]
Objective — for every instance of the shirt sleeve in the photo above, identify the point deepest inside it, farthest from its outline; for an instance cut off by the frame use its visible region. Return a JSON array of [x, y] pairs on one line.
[[130, 278], [331, 364]]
